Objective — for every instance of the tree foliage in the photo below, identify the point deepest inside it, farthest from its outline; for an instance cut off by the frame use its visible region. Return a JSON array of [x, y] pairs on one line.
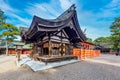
[[2, 19], [100, 40], [7, 30], [115, 29]]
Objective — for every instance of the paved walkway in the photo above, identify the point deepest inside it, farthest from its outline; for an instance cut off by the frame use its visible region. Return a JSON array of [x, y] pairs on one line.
[[106, 67]]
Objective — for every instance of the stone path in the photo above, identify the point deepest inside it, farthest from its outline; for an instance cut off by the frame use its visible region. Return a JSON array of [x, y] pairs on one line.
[[105, 67]]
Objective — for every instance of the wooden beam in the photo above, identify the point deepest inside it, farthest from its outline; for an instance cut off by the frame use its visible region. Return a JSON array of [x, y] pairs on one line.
[[49, 43]]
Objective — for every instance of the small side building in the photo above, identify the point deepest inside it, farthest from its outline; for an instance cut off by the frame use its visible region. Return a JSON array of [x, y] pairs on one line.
[[11, 47]]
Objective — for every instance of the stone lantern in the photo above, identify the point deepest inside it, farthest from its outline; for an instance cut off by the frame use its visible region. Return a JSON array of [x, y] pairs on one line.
[[18, 49]]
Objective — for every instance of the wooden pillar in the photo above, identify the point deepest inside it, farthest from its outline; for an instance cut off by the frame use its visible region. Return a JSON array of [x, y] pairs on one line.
[[64, 49], [41, 45], [42, 50], [71, 48], [35, 53], [51, 48], [34, 49], [31, 52], [18, 54], [69, 52], [49, 45], [61, 45]]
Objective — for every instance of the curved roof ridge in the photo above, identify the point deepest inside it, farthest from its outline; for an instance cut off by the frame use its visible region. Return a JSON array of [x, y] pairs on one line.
[[59, 18], [72, 8]]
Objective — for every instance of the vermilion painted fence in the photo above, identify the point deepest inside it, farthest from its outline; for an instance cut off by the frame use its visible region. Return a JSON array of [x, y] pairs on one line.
[[83, 53]]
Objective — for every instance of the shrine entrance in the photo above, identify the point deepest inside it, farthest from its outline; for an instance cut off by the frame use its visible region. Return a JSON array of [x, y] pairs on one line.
[[45, 51]]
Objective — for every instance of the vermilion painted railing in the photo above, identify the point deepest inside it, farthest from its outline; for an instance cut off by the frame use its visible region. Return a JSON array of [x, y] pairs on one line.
[[83, 53]]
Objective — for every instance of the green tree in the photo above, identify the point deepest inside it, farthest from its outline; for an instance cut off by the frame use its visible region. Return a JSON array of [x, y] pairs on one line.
[[89, 39], [115, 36], [100, 40], [8, 31], [2, 17], [2, 20], [9, 34]]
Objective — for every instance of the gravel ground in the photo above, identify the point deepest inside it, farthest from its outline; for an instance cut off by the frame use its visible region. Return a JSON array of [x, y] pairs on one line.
[[106, 67]]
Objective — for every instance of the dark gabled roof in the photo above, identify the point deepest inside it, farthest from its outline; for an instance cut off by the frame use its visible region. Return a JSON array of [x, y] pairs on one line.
[[40, 26]]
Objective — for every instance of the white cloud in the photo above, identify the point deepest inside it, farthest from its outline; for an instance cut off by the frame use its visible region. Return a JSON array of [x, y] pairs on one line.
[[110, 9], [113, 4], [94, 28], [22, 25], [6, 8], [93, 32], [10, 11], [24, 20], [41, 7], [43, 10], [65, 4], [17, 20]]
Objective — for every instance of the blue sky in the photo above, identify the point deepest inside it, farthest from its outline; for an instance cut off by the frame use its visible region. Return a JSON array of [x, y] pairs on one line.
[[94, 15]]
